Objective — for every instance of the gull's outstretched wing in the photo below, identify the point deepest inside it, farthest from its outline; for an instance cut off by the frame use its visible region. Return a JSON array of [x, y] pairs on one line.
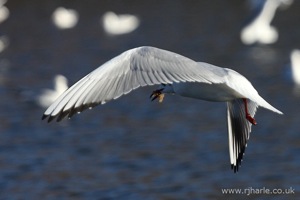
[[239, 129], [134, 68]]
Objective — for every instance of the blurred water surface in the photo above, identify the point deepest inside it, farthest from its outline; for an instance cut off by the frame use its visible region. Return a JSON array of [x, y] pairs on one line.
[[132, 148]]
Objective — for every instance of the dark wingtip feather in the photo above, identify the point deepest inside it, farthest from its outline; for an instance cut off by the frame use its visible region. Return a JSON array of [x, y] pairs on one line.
[[44, 116], [61, 116], [51, 118], [235, 168], [68, 113], [239, 160]]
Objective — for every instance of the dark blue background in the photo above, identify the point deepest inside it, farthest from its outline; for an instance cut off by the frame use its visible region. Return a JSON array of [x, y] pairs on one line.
[[132, 148]]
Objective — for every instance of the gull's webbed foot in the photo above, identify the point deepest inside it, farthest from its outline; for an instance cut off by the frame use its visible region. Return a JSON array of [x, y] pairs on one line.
[[251, 119], [248, 116], [157, 94]]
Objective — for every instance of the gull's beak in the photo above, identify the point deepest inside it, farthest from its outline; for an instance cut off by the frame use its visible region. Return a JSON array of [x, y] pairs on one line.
[[157, 94]]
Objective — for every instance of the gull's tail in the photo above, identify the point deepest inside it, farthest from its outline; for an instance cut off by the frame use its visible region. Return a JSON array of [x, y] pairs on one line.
[[263, 103]]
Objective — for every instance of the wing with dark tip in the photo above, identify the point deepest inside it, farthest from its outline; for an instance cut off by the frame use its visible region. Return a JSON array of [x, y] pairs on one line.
[[239, 129], [132, 69]]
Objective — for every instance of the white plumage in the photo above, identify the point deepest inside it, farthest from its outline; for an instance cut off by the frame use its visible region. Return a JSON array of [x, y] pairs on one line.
[[174, 73]]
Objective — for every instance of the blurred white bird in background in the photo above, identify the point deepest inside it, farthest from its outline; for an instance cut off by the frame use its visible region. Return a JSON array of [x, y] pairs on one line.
[[4, 12], [259, 29], [295, 66], [65, 18], [114, 24], [4, 42], [48, 96], [175, 74], [295, 70]]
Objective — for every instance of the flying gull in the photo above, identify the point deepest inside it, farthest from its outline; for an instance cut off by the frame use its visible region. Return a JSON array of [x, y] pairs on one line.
[[175, 74]]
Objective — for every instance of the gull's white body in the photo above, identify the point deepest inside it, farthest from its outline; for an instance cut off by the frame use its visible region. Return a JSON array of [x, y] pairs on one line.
[[174, 73]]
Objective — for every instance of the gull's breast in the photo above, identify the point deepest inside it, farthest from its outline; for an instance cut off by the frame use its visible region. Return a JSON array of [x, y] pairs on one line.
[[205, 91]]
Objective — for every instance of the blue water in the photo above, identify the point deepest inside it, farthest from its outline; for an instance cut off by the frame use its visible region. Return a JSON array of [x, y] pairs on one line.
[[133, 148]]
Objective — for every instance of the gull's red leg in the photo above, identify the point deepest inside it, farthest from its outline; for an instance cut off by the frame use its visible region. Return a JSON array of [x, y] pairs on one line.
[[248, 116]]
